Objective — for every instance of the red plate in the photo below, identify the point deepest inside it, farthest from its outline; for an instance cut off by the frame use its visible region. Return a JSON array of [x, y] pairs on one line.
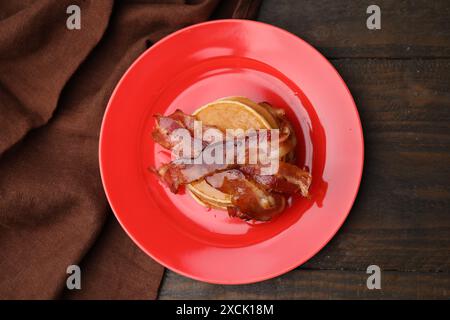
[[195, 66]]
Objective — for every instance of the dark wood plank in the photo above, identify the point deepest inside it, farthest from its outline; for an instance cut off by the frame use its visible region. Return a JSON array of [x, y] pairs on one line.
[[409, 28], [401, 219], [315, 284]]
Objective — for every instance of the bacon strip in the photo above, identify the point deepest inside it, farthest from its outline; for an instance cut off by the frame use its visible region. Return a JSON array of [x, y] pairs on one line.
[[165, 126], [163, 133], [174, 175], [185, 119], [253, 195], [249, 200], [186, 170], [284, 125], [289, 178]]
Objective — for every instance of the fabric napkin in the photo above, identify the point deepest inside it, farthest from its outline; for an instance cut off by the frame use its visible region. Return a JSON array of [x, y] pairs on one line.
[[54, 87]]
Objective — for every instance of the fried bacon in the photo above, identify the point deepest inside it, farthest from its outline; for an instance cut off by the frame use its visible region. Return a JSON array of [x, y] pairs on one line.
[[284, 125], [166, 126], [248, 199], [254, 195], [186, 120], [163, 133], [187, 170], [176, 174], [288, 179]]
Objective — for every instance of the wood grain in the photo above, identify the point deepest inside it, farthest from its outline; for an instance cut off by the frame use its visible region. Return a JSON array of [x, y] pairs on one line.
[[400, 79], [410, 28], [401, 219], [315, 284]]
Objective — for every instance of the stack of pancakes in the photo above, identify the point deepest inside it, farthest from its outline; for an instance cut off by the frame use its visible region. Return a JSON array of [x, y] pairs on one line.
[[233, 113]]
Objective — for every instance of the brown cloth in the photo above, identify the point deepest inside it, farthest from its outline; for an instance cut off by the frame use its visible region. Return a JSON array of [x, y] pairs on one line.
[[54, 87]]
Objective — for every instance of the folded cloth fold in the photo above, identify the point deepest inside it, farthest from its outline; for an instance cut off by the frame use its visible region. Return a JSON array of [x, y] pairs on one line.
[[54, 87]]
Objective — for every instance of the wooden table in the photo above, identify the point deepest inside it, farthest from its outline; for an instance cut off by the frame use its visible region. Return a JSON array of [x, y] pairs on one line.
[[400, 79]]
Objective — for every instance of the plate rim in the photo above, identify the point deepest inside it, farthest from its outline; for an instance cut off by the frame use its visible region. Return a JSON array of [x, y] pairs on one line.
[[268, 275]]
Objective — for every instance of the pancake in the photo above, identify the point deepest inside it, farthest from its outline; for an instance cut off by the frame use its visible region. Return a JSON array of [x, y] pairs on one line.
[[228, 113], [231, 114], [258, 107]]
